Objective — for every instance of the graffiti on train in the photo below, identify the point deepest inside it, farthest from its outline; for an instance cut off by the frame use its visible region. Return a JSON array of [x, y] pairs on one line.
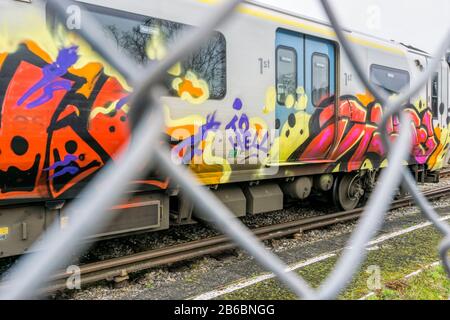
[[54, 131], [64, 114], [353, 140]]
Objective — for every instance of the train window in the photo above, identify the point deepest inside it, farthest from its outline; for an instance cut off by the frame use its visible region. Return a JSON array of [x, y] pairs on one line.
[[435, 95], [391, 80], [286, 73], [142, 37], [320, 78]]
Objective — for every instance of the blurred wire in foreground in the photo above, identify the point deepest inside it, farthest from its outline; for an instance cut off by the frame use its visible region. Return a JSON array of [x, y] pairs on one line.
[[87, 214]]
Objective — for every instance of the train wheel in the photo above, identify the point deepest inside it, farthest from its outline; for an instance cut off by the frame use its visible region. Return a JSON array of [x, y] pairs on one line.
[[348, 191]]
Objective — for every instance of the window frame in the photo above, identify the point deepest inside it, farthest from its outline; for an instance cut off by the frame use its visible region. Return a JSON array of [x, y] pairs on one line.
[[315, 54], [435, 108], [276, 70], [375, 65], [89, 7]]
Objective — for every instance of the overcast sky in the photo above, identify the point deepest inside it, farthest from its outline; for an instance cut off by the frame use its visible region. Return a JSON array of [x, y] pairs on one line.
[[417, 22]]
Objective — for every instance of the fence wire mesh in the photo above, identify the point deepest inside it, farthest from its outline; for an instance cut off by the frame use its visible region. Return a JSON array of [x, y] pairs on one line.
[[88, 212]]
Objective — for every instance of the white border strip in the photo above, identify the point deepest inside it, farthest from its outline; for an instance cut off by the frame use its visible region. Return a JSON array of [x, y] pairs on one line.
[[249, 282], [246, 283]]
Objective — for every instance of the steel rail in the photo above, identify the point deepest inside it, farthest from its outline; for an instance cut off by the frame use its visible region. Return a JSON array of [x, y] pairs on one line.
[[444, 173], [116, 267]]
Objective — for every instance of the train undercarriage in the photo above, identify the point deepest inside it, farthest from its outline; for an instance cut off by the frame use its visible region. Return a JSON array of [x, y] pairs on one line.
[[22, 225]]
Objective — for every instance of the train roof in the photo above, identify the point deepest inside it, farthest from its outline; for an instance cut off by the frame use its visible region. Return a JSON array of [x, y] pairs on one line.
[[328, 24]]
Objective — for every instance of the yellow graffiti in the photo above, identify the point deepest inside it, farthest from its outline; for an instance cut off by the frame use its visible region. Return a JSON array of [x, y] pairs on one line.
[[367, 165], [259, 126], [365, 98], [2, 58], [91, 72], [191, 89], [384, 164], [175, 70], [182, 128], [211, 160], [290, 100], [436, 160], [302, 100], [420, 105], [156, 49], [209, 168], [12, 34], [271, 100], [337, 169], [106, 110], [88, 58], [290, 138]]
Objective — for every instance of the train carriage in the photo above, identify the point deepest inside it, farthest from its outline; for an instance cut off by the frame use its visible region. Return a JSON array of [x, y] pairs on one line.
[[269, 108]]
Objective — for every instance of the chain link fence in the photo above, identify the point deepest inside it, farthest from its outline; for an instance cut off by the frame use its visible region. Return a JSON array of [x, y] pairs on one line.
[[88, 213]]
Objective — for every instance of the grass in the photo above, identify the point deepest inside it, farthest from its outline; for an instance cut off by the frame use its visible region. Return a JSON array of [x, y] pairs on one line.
[[386, 265], [150, 285], [431, 284]]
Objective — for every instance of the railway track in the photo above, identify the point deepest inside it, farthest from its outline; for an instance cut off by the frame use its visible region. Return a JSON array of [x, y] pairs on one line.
[[445, 173], [120, 268]]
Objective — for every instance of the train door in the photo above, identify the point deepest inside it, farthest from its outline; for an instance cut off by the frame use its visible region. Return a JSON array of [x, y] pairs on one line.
[[305, 78], [320, 86], [320, 71], [289, 79]]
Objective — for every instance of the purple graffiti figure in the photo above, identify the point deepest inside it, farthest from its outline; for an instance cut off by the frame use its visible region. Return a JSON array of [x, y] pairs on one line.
[[237, 104], [244, 139], [192, 143], [240, 126], [65, 165], [67, 57], [71, 170], [122, 102]]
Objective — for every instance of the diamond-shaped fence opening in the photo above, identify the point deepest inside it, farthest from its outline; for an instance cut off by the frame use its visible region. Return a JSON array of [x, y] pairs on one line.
[[87, 213]]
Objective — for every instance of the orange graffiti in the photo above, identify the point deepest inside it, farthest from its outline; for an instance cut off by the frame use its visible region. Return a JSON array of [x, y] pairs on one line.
[[187, 86]]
